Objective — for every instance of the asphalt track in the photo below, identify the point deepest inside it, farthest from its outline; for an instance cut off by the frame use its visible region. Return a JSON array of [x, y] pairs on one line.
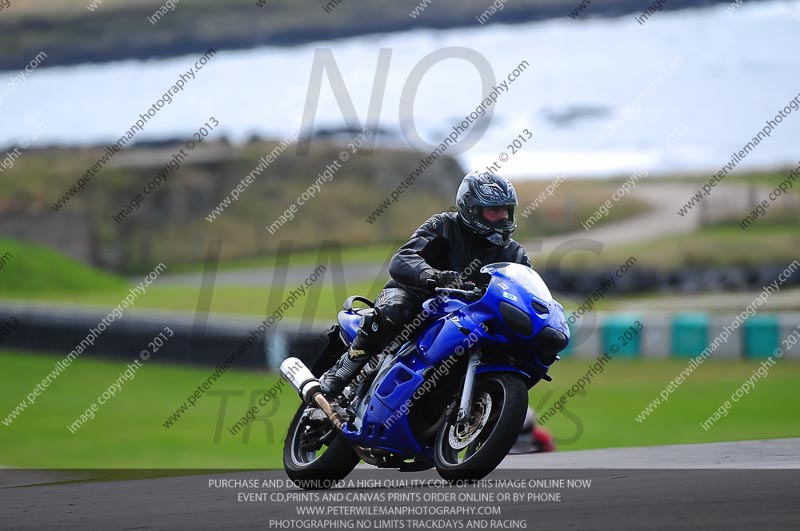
[[743, 485]]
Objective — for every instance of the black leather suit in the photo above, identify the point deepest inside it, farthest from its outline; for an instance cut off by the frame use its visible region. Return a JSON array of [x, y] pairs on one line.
[[441, 243]]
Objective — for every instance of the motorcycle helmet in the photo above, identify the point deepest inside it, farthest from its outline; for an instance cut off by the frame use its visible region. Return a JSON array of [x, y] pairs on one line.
[[483, 189]]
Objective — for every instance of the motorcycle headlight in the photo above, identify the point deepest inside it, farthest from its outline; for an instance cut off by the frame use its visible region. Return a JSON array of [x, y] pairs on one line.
[[549, 342], [519, 321]]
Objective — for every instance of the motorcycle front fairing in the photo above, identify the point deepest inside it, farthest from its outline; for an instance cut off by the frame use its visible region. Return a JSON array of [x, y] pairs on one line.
[[524, 315], [516, 311]]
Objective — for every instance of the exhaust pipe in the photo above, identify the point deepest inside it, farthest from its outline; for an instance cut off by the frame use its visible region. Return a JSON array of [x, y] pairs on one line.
[[300, 377]]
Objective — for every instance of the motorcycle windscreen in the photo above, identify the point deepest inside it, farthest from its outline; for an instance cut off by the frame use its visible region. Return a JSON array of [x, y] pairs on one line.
[[523, 275]]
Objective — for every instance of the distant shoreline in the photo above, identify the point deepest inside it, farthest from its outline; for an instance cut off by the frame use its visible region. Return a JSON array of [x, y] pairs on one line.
[[249, 27]]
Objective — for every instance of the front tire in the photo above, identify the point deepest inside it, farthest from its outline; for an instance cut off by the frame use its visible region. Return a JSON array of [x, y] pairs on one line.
[[472, 449], [308, 460]]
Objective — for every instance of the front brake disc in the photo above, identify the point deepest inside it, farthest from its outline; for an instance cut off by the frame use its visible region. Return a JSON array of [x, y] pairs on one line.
[[463, 433]]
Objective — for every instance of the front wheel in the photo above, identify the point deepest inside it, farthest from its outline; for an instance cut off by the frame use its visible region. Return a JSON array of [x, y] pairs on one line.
[[472, 449]]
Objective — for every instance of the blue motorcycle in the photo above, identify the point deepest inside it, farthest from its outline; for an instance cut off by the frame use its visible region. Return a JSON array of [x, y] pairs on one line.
[[453, 396]]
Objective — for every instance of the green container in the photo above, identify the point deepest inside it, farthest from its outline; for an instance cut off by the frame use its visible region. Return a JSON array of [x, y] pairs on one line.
[[760, 336], [689, 334], [620, 336]]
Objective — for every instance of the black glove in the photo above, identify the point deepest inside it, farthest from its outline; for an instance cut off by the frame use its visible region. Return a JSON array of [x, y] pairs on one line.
[[448, 279]]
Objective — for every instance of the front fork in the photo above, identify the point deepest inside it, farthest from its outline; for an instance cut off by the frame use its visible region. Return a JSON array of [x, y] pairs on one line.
[[469, 384]]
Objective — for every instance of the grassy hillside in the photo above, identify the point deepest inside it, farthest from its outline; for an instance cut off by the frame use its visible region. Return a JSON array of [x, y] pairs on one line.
[[34, 270], [171, 224], [773, 242], [571, 203]]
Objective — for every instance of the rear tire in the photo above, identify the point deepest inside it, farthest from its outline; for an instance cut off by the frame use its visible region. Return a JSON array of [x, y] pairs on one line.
[[310, 469], [470, 451]]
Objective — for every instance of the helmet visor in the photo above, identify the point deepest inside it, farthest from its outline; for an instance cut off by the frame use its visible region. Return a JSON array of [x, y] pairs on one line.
[[498, 216]]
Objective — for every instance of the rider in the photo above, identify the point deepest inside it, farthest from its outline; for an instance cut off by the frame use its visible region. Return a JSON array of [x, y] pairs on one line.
[[445, 245]]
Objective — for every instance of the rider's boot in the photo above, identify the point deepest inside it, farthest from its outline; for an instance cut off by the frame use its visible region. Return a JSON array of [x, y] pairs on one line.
[[367, 339], [337, 377]]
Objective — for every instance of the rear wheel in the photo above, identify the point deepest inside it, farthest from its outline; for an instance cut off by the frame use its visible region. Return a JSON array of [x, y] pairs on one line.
[[472, 449], [315, 456]]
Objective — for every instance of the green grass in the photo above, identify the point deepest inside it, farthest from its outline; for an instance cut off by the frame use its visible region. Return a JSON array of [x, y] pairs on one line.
[[127, 432], [605, 416], [33, 272], [322, 302], [34, 269], [255, 300], [367, 254]]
